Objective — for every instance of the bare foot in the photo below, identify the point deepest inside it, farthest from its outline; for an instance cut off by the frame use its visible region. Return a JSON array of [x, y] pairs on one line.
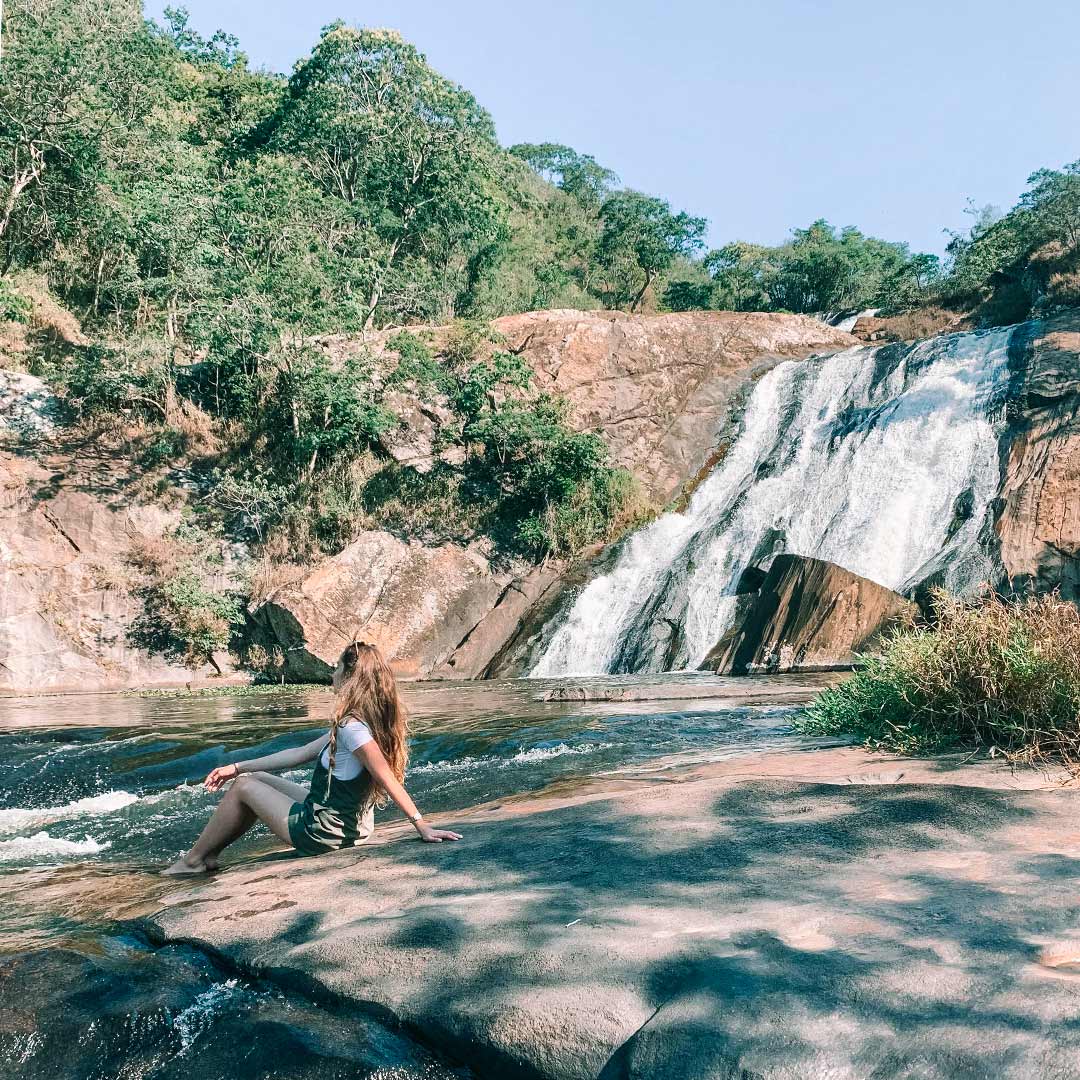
[[211, 863], [184, 868]]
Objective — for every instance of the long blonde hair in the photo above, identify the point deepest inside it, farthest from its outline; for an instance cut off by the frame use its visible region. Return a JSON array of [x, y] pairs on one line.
[[369, 692]]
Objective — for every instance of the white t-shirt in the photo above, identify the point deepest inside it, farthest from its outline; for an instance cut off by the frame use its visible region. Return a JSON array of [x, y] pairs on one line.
[[351, 735]]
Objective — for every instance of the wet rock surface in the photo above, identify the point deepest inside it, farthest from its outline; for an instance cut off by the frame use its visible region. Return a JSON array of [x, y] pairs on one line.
[[838, 916], [809, 615], [134, 1011]]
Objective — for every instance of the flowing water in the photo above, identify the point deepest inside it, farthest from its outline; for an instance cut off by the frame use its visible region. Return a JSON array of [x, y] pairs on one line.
[[882, 460], [98, 792]]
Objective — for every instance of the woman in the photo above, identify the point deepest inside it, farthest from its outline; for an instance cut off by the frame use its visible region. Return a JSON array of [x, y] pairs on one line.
[[371, 725]]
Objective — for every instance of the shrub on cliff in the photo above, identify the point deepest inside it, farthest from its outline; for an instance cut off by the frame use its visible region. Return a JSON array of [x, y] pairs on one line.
[[996, 674], [521, 473], [189, 611]]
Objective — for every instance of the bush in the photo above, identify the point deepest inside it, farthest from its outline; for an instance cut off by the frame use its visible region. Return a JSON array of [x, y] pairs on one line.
[[185, 620], [523, 475], [993, 673], [182, 617], [14, 307], [102, 382]]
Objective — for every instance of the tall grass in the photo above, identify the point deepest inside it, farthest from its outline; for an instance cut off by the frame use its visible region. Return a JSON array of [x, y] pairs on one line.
[[993, 674]]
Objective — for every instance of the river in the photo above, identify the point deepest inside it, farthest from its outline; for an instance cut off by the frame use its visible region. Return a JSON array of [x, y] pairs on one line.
[[98, 792]]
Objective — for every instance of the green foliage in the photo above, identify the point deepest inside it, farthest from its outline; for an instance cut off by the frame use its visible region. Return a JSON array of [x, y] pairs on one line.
[[14, 307], [524, 476], [580, 175], [818, 269], [640, 238], [182, 617], [416, 365], [315, 413], [97, 381], [253, 504], [411, 157], [1022, 261], [994, 674]]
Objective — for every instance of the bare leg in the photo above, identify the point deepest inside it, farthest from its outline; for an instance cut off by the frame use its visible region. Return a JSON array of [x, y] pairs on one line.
[[247, 801], [298, 792], [295, 791]]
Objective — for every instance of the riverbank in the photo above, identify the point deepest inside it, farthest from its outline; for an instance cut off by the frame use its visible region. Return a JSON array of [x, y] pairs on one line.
[[828, 912]]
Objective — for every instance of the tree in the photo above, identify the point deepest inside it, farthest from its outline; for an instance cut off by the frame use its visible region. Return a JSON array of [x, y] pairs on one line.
[[411, 155], [1052, 206], [640, 238], [580, 175], [820, 269], [740, 272], [79, 78]]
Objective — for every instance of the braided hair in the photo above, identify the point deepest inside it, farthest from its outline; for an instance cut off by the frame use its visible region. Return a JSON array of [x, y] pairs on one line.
[[368, 691]]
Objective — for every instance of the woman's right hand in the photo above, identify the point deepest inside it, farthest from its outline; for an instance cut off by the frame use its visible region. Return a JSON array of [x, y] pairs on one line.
[[220, 776]]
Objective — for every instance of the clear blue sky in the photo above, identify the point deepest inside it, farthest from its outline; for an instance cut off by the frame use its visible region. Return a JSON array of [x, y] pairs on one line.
[[761, 116]]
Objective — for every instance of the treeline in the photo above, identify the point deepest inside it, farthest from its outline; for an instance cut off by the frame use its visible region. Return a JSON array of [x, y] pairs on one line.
[[207, 222], [1004, 269], [162, 184], [819, 269]]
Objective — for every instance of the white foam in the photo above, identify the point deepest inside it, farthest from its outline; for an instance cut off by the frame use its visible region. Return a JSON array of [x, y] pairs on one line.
[[191, 1022], [544, 753], [17, 819], [41, 847], [522, 757]]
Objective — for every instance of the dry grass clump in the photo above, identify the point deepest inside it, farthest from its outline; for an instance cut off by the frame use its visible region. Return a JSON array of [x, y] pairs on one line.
[[1002, 675]]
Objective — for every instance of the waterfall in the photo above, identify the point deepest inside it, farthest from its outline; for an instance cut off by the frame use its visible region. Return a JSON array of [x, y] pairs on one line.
[[883, 460]]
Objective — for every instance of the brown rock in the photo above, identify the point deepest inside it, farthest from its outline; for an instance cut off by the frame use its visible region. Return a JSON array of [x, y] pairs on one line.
[[427, 608], [66, 599], [659, 387], [476, 652], [810, 615], [1039, 523], [909, 326], [782, 917]]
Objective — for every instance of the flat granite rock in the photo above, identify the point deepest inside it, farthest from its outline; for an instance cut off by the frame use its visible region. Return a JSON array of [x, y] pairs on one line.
[[699, 926]]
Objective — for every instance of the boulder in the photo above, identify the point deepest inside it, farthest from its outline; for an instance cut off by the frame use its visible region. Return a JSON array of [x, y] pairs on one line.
[[1038, 526], [442, 610], [810, 615]]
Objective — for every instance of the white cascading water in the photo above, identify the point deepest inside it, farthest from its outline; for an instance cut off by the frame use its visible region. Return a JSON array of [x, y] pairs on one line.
[[881, 460]]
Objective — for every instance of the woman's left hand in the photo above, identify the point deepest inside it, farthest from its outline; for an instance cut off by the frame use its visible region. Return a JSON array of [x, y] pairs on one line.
[[436, 836]]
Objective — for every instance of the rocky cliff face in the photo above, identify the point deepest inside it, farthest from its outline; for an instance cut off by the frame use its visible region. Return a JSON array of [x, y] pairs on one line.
[[440, 611], [660, 389], [667, 392], [1038, 526], [65, 598]]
